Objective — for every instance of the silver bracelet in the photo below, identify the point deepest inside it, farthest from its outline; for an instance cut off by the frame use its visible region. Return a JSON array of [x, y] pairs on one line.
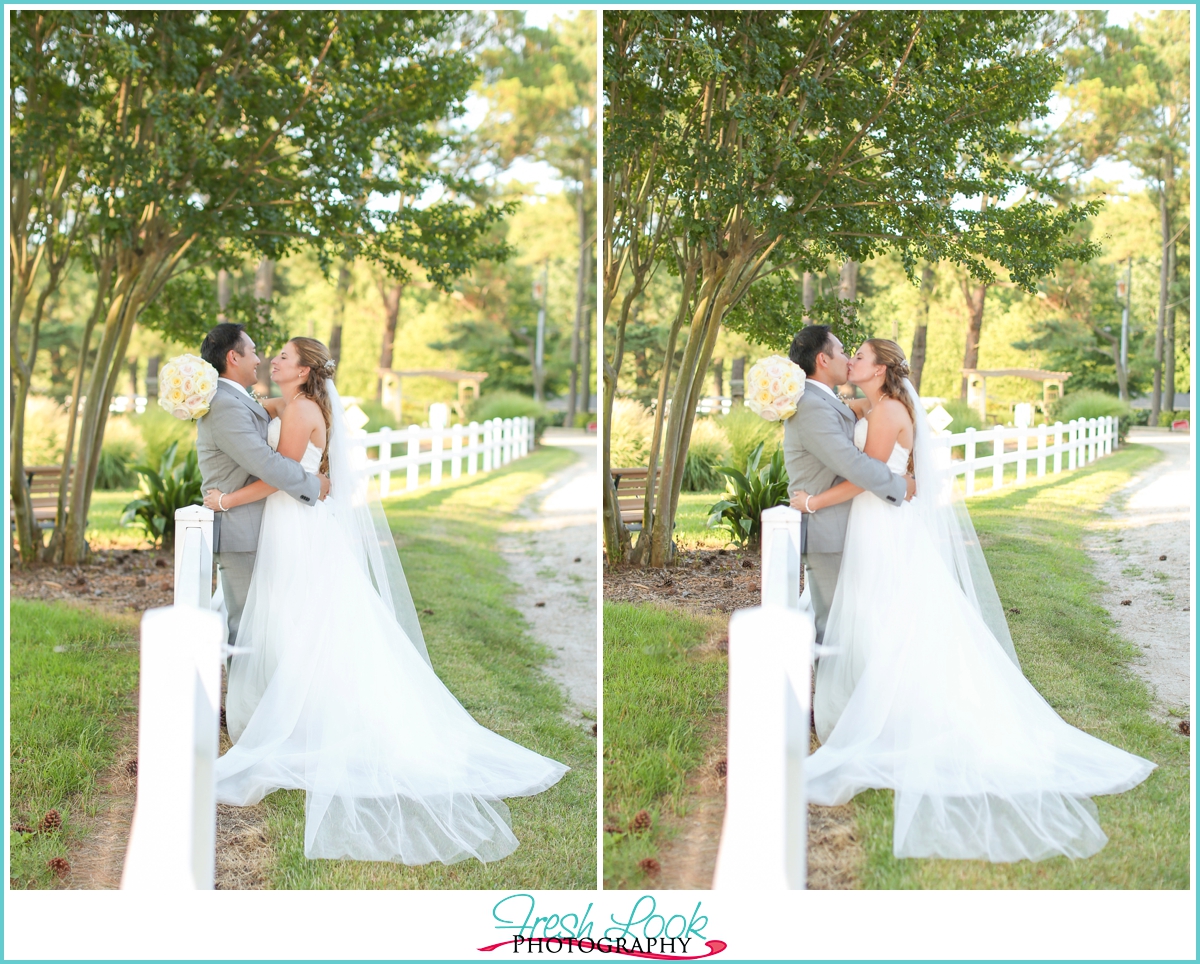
[[220, 502], [806, 501]]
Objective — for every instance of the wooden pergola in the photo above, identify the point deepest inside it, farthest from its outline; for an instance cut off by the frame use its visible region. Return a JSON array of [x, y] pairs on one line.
[[468, 385], [977, 384]]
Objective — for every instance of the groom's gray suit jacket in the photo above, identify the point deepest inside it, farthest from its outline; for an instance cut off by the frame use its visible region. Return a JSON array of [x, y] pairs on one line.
[[232, 449], [819, 451]]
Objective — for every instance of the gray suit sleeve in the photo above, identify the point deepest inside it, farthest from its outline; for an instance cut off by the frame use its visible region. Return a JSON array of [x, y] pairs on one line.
[[828, 443], [236, 434]]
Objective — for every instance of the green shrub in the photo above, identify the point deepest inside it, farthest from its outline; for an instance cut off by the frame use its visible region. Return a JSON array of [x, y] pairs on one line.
[[123, 446], [160, 431], [1166, 418], [45, 430], [1088, 403], [506, 404], [632, 425], [749, 494], [379, 416], [965, 416], [746, 431], [707, 451], [164, 490]]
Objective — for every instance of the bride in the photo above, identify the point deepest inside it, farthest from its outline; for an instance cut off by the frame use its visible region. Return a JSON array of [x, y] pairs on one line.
[[921, 691], [330, 686]]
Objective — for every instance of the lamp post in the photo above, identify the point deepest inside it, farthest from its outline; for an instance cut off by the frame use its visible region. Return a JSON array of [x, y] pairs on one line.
[[539, 295], [1123, 295]]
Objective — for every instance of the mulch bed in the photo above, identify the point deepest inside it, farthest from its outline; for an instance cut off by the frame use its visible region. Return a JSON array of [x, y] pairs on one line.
[[702, 580], [114, 580]]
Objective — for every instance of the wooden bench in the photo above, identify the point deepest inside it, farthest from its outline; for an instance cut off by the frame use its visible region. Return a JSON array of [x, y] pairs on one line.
[[42, 482], [631, 493]]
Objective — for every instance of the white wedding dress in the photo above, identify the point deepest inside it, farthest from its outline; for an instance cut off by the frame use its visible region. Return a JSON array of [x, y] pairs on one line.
[[919, 696], [331, 696]]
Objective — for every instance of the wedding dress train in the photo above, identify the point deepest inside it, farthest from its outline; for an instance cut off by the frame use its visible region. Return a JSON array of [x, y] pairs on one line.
[[920, 696], [333, 697]]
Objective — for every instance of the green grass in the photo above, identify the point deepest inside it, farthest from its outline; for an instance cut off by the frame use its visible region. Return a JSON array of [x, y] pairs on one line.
[[1033, 538], [73, 679], [480, 648], [660, 689]]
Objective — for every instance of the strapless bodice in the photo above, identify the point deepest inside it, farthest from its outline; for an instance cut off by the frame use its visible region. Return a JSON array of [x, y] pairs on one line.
[[312, 455], [897, 462]]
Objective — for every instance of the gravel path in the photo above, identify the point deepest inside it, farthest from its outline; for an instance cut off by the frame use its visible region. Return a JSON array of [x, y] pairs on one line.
[[551, 550], [1142, 549]]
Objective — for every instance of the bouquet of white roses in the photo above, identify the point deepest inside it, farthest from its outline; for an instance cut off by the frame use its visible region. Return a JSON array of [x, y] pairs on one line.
[[186, 386], [773, 387]]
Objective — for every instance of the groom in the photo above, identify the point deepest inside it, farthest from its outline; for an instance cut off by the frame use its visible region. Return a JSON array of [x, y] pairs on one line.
[[231, 444], [819, 450]]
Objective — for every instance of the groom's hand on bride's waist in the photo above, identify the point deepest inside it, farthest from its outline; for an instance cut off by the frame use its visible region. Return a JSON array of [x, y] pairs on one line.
[[324, 486], [912, 487]]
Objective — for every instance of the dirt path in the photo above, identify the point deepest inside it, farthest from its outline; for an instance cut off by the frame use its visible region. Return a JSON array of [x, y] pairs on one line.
[[1142, 549], [550, 547]]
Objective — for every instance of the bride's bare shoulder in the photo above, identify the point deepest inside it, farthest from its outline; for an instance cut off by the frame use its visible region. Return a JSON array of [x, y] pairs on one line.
[[302, 409]]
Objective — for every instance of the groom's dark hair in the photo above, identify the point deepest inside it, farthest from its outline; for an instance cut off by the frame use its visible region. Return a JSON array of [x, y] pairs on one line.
[[220, 342], [809, 342]]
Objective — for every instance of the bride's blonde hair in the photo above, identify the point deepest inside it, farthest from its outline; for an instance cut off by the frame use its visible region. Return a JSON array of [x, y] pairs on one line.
[[314, 356], [891, 357]]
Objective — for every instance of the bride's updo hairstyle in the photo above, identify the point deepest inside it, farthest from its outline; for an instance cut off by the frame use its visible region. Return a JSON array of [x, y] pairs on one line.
[[316, 358], [891, 356]]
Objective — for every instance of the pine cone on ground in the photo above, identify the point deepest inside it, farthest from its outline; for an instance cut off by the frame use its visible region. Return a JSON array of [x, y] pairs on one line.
[[131, 767], [50, 822], [22, 828], [1185, 727], [722, 766], [611, 828], [59, 865], [641, 821], [650, 867]]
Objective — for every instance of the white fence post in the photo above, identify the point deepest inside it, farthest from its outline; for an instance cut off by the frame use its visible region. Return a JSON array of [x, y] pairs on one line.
[[473, 448], [194, 569], [1058, 433], [970, 458], [435, 467], [507, 435], [997, 456], [1072, 445], [1094, 431], [413, 477], [1041, 450], [172, 840], [781, 556], [489, 428], [1111, 436], [765, 830], [385, 453], [456, 439], [1022, 453]]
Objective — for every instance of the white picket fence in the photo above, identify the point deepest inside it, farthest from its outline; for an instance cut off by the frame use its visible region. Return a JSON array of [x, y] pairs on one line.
[[1051, 448], [172, 842], [764, 837], [469, 449]]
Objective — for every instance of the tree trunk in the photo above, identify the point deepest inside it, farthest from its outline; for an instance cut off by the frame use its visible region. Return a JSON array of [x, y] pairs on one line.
[[737, 380], [223, 290], [264, 288], [133, 373], [916, 363], [91, 436], [809, 294], [1164, 290], [1169, 373], [848, 285], [391, 318], [974, 296], [335, 335], [54, 551], [581, 280], [718, 373], [152, 377], [585, 367]]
